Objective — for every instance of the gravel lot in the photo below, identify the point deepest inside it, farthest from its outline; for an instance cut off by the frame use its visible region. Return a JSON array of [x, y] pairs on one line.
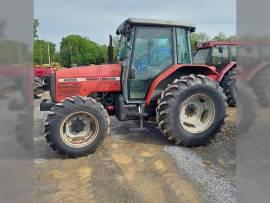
[[137, 167]]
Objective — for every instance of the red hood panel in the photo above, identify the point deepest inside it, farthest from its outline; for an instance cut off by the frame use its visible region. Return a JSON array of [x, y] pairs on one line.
[[106, 70], [87, 80]]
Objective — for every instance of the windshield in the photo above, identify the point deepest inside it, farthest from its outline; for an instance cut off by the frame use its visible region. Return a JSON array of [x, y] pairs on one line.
[[201, 56]]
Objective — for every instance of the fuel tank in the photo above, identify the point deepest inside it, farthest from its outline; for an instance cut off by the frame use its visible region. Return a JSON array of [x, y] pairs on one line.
[[86, 80]]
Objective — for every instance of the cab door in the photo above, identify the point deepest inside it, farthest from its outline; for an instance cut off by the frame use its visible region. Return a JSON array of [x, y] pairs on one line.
[[152, 54]]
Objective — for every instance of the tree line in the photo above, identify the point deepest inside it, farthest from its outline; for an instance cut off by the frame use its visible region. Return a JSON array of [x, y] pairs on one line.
[[76, 50]]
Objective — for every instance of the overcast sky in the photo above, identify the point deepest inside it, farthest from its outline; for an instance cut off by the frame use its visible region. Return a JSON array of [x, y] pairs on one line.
[[96, 19]]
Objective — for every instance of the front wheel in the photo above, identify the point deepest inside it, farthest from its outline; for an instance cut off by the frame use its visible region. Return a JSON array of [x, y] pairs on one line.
[[76, 126], [191, 110]]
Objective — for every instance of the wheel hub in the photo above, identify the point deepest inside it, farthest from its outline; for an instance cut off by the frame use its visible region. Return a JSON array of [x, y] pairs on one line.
[[197, 113], [77, 126], [79, 129], [190, 110]]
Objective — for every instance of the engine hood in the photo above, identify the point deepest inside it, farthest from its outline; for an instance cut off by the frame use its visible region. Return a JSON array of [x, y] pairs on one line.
[[106, 70], [86, 80]]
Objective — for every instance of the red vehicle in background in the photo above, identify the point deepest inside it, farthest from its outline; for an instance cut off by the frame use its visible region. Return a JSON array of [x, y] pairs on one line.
[[221, 55], [44, 72]]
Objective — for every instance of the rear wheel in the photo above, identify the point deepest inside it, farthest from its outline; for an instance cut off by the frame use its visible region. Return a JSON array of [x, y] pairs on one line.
[[191, 110], [76, 126], [228, 84]]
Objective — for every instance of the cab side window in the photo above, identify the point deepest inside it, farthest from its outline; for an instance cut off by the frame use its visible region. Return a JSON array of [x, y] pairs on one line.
[[183, 52]]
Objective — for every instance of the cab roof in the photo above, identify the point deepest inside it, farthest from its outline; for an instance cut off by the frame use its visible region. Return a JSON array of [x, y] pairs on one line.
[[214, 43], [154, 22]]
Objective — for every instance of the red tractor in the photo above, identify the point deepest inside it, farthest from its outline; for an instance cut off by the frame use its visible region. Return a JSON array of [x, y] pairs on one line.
[[221, 55], [44, 73], [153, 79]]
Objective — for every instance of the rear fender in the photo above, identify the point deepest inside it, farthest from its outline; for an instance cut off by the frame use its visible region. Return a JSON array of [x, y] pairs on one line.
[[225, 70], [176, 71]]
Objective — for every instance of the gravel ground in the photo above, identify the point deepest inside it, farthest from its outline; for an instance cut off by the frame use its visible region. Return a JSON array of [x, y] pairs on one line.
[[212, 168], [214, 187]]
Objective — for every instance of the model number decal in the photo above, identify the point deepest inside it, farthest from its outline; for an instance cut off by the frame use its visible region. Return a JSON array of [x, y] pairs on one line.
[[68, 80]]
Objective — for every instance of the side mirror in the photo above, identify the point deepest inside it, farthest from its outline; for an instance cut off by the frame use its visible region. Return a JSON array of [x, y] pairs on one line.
[[110, 50]]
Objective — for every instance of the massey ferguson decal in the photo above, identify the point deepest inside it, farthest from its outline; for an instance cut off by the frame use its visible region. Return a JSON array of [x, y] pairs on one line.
[[88, 79], [69, 89]]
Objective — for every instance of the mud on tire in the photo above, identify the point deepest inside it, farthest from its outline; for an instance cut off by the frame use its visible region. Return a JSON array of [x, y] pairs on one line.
[[174, 97], [60, 119], [228, 84]]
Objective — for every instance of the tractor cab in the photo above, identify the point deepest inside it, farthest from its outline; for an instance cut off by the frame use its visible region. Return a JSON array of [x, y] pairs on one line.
[[217, 54], [146, 49]]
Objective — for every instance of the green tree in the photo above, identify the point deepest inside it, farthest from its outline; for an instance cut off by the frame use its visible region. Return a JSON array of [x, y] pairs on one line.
[[196, 38], [78, 50], [41, 55], [220, 37], [102, 54], [35, 27], [232, 38], [57, 57], [115, 42]]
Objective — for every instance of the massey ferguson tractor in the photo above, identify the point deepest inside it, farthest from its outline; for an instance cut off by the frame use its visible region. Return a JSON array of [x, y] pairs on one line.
[[154, 78], [221, 55]]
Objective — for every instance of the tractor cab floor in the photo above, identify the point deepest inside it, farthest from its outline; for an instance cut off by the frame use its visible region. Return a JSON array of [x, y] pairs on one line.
[[137, 167]]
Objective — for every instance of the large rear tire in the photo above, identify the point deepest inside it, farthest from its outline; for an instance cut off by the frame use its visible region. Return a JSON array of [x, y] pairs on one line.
[[228, 84], [191, 110], [76, 126]]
